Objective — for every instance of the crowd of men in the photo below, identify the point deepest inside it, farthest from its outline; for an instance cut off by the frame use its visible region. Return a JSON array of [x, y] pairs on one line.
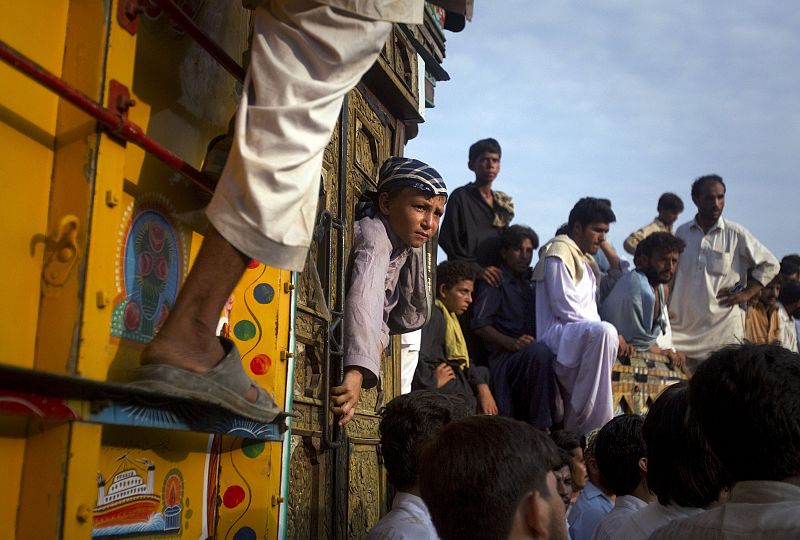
[[511, 408], [538, 343]]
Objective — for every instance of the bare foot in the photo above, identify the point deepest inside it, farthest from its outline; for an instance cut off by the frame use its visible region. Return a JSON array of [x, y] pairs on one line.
[[193, 349]]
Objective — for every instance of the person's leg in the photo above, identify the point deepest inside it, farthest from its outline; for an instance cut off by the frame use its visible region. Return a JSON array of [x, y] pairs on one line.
[[499, 365], [534, 385], [305, 57], [584, 371], [187, 338]]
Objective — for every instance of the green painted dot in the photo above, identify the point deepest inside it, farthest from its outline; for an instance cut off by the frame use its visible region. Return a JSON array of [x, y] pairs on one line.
[[252, 448], [244, 330]]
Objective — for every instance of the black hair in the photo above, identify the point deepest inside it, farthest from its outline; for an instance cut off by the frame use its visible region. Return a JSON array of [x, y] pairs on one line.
[[790, 292], [563, 229], [590, 210], [746, 399], [564, 459], [513, 236], [482, 146], [408, 423], [449, 273], [620, 446], [568, 440], [670, 202], [699, 184], [681, 469], [659, 240], [793, 258], [788, 267], [476, 473]]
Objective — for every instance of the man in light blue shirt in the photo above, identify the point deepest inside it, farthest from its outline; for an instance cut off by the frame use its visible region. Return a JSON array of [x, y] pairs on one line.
[[593, 502], [408, 423], [637, 305]]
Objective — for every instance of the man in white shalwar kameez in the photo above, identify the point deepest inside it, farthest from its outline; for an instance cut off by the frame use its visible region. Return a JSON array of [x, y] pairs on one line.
[[722, 267], [567, 320]]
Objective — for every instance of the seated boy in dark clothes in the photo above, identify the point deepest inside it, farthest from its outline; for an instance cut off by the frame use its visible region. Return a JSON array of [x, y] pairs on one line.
[[443, 358], [522, 373]]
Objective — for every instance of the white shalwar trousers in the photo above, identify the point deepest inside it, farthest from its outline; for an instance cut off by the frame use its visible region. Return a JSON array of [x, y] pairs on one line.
[[305, 57]]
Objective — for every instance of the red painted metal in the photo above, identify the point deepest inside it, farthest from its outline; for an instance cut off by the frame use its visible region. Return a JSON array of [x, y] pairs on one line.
[[128, 12], [115, 122], [186, 24]]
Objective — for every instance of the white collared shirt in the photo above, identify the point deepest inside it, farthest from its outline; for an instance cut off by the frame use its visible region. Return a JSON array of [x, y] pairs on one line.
[[756, 510], [624, 506], [408, 519], [641, 524], [788, 329], [712, 262]]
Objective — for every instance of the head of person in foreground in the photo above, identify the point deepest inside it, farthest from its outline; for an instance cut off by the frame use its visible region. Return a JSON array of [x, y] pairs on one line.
[[491, 478]]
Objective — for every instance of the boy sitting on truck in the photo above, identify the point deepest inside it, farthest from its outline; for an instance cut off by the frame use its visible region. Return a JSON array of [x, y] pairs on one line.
[[444, 362]]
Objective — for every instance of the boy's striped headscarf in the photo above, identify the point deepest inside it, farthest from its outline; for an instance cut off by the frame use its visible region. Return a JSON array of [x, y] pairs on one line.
[[400, 172]]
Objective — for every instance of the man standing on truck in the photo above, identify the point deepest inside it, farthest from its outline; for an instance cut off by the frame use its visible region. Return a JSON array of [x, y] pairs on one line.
[[722, 266], [305, 57]]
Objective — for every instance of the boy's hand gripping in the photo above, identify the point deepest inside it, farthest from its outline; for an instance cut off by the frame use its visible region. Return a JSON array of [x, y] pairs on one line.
[[345, 397]]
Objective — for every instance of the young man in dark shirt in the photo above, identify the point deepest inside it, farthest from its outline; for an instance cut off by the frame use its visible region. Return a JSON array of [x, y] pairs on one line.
[[477, 215], [522, 369], [444, 362]]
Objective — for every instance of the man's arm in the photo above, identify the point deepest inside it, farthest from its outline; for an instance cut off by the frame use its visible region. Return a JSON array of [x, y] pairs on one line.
[[484, 310], [492, 335], [763, 267], [453, 240], [564, 300], [637, 236], [617, 269], [452, 234], [363, 328]]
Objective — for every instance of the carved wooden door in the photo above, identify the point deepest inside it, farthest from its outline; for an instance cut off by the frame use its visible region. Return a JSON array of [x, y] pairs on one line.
[[337, 486]]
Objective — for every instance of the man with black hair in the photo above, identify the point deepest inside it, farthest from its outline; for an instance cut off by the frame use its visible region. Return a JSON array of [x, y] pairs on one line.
[[746, 400], [681, 470], [669, 207], [722, 266], [789, 313], [408, 423], [444, 361], [621, 456], [491, 478], [477, 214], [567, 320], [504, 318], [573, 444], [637, 305]]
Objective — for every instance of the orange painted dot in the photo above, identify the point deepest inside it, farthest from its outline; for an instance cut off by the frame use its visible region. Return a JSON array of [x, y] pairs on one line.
[[260, 364], [233, 497]]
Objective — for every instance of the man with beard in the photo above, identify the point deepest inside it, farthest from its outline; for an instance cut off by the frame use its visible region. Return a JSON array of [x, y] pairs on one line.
[[723, 266], [637, 306]]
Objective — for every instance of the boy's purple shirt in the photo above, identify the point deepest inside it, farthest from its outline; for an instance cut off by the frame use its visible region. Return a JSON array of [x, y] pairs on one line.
[[378, 259]]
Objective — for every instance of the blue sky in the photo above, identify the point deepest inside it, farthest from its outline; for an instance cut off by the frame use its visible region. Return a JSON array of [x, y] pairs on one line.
[[626, 100]]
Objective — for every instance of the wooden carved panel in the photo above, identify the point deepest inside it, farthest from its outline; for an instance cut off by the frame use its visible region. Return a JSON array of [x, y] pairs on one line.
[[364, 489], [309, 490], [405, 63]]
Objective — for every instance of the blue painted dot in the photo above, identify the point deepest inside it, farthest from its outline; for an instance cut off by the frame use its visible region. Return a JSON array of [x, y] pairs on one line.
[[264, 293], [245, 533]]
